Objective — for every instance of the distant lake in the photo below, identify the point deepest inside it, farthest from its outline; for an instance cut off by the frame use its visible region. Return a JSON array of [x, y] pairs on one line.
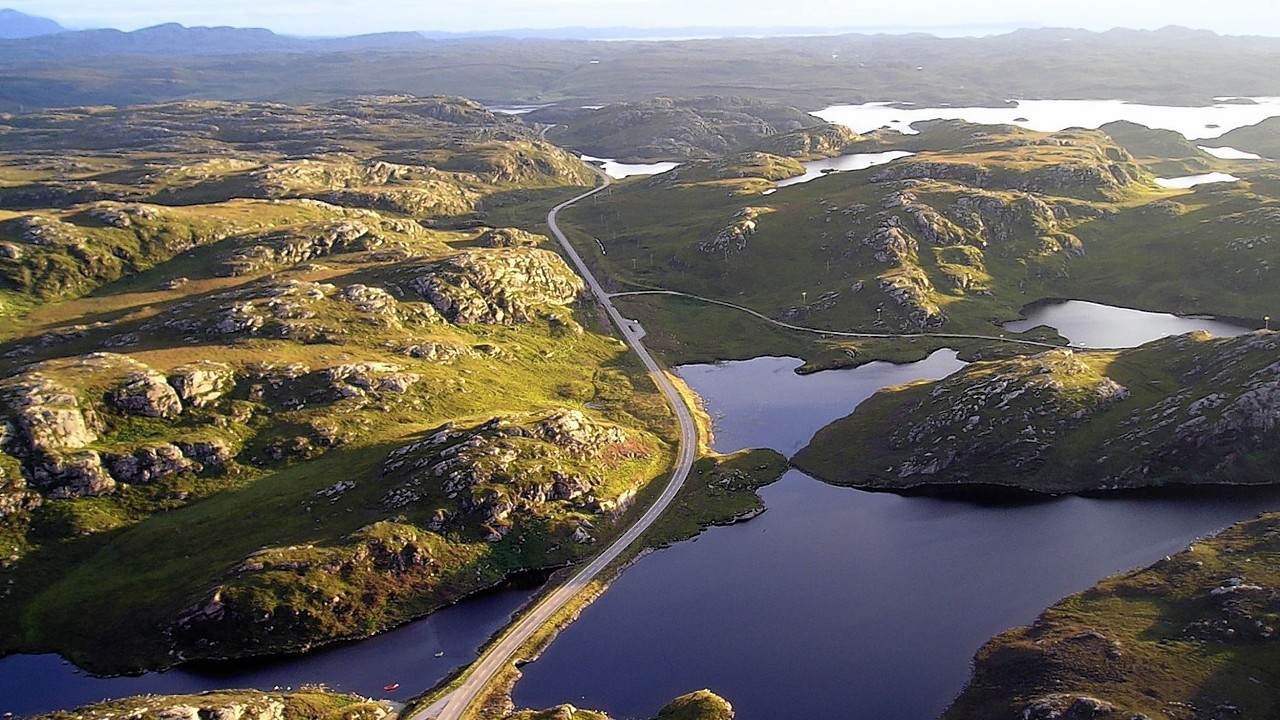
[[514, 109], [618, 170], [1230, 153], [1089, 324], [1210, 121], [1190, 181], [815, 169]]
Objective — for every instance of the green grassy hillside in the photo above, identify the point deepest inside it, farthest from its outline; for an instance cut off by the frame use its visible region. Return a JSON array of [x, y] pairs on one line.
[[1193, 636], [957, 238], [1184, 410], [272, 379]]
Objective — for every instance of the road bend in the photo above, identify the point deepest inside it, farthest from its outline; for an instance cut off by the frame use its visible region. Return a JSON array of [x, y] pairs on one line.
[[503, 652]]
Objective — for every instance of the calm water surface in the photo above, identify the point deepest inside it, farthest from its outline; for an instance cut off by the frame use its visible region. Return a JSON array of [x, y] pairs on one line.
[[815, 169], [618, 170], [407, 655], [1230, 153], [1210, 121], [836, 602], [1088, 324], [1189, 181]]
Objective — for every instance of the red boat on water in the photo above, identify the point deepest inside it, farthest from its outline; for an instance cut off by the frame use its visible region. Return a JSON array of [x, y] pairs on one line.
[[392, 687]]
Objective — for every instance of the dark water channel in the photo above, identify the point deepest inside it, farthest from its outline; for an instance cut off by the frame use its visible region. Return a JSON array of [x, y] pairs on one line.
[[841, 603]]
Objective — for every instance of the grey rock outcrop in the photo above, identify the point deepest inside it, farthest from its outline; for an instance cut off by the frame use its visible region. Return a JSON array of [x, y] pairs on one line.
[[497, 287], [148, 394], [490, 470], [150, 463], [44, 416], [297, 245], [15, 497], [509, 237], [209, 453], [734, 236], [201, 383], [71, 474]]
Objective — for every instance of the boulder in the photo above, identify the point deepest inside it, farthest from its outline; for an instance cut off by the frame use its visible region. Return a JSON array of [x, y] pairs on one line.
[[150, 463], [44, 416], [148, 394], [201, 383], [209, 453], [14, 495], [73, 474]]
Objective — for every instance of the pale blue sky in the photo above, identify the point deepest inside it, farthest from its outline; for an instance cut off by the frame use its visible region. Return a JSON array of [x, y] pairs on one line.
[[334, 17]]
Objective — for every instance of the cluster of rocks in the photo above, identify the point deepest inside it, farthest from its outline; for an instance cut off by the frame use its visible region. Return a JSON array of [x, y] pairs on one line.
[[15, 496], [496, 287], [1236, 612], [826, 140], [293, 386], [253, 706], [733, 237], [426, 198], [1009, 414], [1018, 223], [385, 561], [42, 231], [439, 352], [297, 309], [122, 215], [911, 289], [891, 244], [49, 426], [1224, 411], [1065, 706], [509, 466], [285, 248], [509, 237], [928, 224], [332, 173]]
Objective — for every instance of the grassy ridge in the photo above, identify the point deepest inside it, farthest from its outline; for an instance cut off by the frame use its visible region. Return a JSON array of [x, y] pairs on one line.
[[1191, 636], [1184, 410], [306, 704]]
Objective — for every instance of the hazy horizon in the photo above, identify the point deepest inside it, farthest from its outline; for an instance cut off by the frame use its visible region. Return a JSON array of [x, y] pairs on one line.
[[332, 18]]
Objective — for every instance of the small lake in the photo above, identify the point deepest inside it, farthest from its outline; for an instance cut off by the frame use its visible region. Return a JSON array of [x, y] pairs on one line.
[[1229, 153], [1190, 181], [836, 599], [514, 109], [618, 170], [407, 655], [1093, 325], [815, 169], [1209, 121]]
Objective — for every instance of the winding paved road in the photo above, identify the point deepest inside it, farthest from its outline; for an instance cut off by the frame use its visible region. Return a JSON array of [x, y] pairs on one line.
[[838, 333], [502, 653]]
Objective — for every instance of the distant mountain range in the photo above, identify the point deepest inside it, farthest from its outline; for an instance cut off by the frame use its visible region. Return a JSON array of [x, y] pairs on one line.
[[18, 25], [14, 24]]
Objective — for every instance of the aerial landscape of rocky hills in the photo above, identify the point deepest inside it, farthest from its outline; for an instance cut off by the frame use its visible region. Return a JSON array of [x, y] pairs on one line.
[[293, 354]]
